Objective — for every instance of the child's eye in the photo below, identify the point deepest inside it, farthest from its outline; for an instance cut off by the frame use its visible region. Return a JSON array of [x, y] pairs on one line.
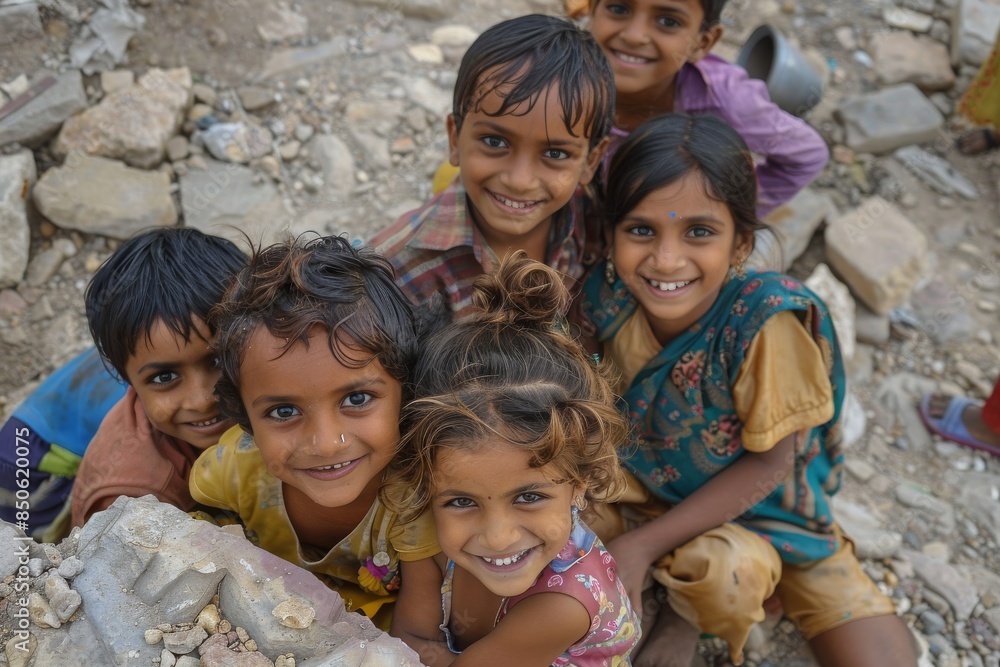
[[641, 230], [668, 22], [530, 497], [164, 377], [460, 503], [357, 400], [700, 232], [283, 413], [618, 10], [556, 154], [494, 142]]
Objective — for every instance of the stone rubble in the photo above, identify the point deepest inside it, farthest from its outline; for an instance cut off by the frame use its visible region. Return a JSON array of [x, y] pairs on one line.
[[273, 119]]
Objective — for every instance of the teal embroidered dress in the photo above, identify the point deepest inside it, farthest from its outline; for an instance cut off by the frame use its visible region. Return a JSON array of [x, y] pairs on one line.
[[686, 426]]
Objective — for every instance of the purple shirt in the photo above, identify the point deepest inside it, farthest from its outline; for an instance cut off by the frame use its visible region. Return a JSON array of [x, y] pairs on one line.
[[791, 153]]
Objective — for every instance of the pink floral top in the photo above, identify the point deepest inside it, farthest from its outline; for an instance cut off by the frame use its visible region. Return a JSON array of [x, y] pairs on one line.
[[586, 571]]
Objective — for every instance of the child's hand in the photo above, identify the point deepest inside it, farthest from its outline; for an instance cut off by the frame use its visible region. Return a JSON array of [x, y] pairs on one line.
[[633, 567]]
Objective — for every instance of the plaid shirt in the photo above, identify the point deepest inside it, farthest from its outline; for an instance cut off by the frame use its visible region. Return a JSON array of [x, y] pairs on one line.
[[438, 251]]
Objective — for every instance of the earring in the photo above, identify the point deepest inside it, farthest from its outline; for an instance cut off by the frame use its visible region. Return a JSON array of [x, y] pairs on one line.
[[342, 439], [739, 271], [609, 272]]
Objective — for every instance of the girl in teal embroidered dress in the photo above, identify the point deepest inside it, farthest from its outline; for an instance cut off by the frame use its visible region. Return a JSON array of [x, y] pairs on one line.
[[734, 383]]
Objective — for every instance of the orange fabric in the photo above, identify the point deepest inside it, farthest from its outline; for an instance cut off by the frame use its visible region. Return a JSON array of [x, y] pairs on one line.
[[128, 457], [771, 403]]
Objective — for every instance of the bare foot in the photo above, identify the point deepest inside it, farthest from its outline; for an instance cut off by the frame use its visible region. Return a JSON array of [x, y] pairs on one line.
[[670, 641], [977, 141], [972, 417]]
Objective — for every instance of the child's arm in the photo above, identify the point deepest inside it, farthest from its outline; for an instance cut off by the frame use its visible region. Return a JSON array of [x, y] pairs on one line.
[[417, 616], [793, 151], [533, 634], [725, 496]]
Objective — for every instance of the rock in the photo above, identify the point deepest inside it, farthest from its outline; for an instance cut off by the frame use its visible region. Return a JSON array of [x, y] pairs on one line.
[[859, 470], [279, 23], [907, 19], [902, 58], [932, 622], [454, 40], [878, 252], [236, 142], [428, 95], [294, 613], [255, 98], [980, 499], [178, 148], [118, 79], [289, 60], [936, 172], [426, 53], [889, 118], [942, 312], [797, 220], [946, 581], [204, 93], [20, 22], [899, 395], [184, 641], [17, 179], [41, 117], [43, 266], [132, 124], [870, 539], [225, 199], [99, 196], [974, 29], [334, 158], [838, 300], [430, 10], [869, 327]]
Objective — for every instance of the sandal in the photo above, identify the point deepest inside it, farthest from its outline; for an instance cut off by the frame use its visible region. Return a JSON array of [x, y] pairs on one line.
[[951, 427], [977, 141]]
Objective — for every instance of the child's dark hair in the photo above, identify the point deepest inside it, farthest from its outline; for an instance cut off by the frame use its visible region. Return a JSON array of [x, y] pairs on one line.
[[290, 288], [665, 149], [713, 12], [522, 57], [507, 370], [173, 274]]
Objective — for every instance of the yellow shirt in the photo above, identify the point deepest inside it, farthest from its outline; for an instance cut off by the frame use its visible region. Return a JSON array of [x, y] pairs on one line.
[[783, 385], [363, 568]]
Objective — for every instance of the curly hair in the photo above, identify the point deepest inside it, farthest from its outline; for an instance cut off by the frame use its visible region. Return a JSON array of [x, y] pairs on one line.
[[291, 287], [507, 370]]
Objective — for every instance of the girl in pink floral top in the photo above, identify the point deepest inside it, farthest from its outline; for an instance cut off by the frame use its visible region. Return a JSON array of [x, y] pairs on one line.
[[513, 428]]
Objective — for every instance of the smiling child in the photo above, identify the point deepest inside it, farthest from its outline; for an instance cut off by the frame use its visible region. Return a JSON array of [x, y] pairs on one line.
[[315, 343]]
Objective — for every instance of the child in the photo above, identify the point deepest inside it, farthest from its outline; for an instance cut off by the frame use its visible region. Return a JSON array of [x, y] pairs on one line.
[[659, 51], [46, 437], [735, 384], [315, 343], [531, 111], [514, 429], [148, 310]]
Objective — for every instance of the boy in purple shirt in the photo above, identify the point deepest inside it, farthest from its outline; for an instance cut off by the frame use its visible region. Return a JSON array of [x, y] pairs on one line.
[[659, 52]]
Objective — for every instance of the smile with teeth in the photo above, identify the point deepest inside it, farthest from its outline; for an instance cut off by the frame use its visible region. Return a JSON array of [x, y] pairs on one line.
[[208, 422], [511, 203], [509, 560], [668, 287], [335, 466], [635, 60]]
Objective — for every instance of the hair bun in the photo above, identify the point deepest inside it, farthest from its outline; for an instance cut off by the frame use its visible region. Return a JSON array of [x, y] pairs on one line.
[[521, 291]]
